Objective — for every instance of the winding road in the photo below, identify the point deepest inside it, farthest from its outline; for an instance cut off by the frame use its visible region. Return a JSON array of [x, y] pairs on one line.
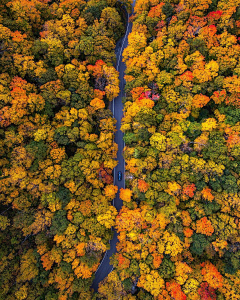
[[117, 108]]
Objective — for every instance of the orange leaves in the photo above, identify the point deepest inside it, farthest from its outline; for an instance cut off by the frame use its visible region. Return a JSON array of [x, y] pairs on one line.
[[123, 262], [99, 94], [188, 232], [206, 192], [80, 249], [85, 207], [233, 137], [22, 102], [219, 97], [110, 191], [175, 290], [106, 78], [137, 92], [189, 190], [145, 103], [187, 76], [125, 194], [97, 68], [161, 221], [97, 103], [58, 154], [211, 275], [157, 260], [200, 100], [204, 226], [128, 220], [71, 186], [156, 11], [17, 36], [186, 219], [83, 271], [106, 175], [142, 185], [46, 261]]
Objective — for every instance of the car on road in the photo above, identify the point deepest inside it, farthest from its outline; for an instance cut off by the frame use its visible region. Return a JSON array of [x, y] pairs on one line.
[[119, 176]]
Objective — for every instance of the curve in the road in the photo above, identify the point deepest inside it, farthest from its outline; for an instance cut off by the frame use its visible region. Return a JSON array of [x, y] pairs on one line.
[[117, 108]]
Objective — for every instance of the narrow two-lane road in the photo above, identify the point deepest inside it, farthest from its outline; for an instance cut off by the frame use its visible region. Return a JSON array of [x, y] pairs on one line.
[[117, 108]]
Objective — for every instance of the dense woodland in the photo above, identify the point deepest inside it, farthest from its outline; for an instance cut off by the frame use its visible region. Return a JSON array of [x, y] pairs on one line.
[[179, 235], [57, 152], [179, 232]]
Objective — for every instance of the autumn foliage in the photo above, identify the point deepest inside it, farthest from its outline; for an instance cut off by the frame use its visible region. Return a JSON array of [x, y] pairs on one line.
[[180, 227], [57, 153], [178, 230]]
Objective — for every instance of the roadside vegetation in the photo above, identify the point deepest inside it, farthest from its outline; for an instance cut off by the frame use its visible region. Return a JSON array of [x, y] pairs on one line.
[[56, 185], [179, 226]]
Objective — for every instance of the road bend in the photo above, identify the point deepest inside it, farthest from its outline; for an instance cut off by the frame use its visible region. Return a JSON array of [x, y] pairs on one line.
[[117, 108]]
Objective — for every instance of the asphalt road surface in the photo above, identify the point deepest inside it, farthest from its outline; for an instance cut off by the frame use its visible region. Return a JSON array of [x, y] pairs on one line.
[[117, 108]]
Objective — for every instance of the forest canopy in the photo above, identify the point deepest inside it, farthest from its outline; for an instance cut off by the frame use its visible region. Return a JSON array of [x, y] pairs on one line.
[[179, 226], [178, 229], [57, 152]]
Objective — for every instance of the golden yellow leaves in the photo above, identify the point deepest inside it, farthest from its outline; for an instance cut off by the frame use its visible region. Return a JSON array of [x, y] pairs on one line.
[[158, 141], [209, 124], [83, 271], [71, 186], [108, 218], [112, 287], [40, 134], [219, 246], [110, 191], [151, 282], [213, 67], [53, 172], [174, 188], [17, 174], [201, 142], [137, 40], [58, 154], [173, 244], [182, 271], [59, 238], [22, 292], [125, 194]]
